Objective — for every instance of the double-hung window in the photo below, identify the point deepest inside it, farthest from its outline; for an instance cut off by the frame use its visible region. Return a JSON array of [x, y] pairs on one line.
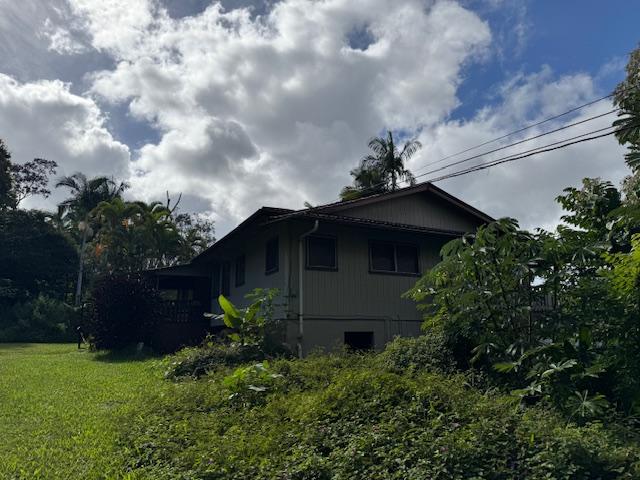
[[272, 256], [386, 257], [321, 253], [240, 271]]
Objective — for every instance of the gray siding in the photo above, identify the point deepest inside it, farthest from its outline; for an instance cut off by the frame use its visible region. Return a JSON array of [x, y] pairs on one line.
[[352, 291], [422, 209]]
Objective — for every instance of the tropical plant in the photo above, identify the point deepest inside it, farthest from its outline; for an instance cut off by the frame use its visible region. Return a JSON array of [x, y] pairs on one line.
[[383, 169], [251, 325], [627, 98], [86, 194]]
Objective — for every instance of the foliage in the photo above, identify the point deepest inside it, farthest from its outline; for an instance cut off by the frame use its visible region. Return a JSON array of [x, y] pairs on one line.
[[134, 236], [627, 99], [248, 386], [32, 178], [7, 196], [556, 313], [381, 171], [35, 258], [253, 324], [41, 319], [426, 352], [122, 310], [347, 416], [211, 355]]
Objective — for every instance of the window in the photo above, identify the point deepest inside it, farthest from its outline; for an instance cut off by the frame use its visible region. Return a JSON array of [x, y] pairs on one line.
[[271, 256], [226, 279], [359, 340], [394, 258], [321, 253], [240, 271]]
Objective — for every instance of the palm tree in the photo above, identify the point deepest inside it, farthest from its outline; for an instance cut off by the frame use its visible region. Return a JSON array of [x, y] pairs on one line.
[[390, 160], [366, 181], [381, 171], [86, 194]]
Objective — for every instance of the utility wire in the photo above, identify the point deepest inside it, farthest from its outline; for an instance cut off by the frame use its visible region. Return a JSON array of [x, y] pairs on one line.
[[528, 139], [483, 166]]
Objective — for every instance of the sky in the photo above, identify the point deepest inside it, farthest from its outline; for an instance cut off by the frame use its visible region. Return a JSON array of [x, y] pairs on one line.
[[238, 104]]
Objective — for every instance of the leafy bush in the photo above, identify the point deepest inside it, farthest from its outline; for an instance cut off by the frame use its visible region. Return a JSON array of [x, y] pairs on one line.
[[346, 416], [42, 319], [122, 310], [35, 257], [249, 386], [211, 355], [427, 352]]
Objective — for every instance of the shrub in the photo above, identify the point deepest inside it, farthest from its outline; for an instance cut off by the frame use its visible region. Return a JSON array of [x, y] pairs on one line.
[[428, 352], [42, 319], [122, 310], [210, 355], [344, 416]]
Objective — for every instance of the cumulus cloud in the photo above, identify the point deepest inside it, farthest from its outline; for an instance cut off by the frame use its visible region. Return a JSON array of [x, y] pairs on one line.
[[44, 119], [278, 104], [274, 105], [526, 189]]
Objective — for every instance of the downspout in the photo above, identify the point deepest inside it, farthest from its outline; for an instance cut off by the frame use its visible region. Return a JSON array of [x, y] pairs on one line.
[[301, 284]]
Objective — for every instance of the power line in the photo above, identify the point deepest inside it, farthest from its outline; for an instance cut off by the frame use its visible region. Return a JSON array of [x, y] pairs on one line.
[[528, 139], [511, 158], [527, 127], [527, 151]]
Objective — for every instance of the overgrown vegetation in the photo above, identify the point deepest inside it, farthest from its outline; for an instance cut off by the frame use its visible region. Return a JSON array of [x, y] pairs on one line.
[[122, 310], [353, 416]]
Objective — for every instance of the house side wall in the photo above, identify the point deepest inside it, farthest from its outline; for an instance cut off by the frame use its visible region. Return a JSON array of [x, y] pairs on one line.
[[253, 247], [423, 209]]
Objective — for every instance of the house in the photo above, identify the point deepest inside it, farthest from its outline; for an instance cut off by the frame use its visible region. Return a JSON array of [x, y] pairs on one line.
[[341, 268]]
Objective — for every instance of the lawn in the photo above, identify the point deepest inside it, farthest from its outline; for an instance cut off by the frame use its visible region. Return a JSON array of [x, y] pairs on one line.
[[59, 410]]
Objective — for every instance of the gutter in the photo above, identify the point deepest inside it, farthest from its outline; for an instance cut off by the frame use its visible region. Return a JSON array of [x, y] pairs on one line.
[[316, 225]]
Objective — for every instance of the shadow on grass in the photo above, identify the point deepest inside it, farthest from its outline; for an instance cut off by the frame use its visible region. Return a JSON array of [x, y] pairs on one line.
[[127, 354]]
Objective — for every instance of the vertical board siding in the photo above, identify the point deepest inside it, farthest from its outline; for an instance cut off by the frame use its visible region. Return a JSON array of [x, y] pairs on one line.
[[422, 209]]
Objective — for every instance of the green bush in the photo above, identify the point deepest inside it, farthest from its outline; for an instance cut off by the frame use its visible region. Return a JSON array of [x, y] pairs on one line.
[[426, 352], [42, 319], [349, 417], [122, 310], [211, 355]]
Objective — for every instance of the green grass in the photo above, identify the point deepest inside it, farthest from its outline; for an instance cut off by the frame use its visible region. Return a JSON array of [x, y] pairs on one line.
[[60, 411]]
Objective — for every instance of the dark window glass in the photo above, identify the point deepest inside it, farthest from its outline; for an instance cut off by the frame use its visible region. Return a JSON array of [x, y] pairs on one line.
[[382, 257], [240, 271], [407, 259], [226, 278], [321, 252], [359, 340], [271, 256], [216, 280]]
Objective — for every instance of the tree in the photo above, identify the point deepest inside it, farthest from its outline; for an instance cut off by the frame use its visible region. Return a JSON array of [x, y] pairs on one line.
[[35, 257], [86, 194], [7, 199], [382, 170], [627, 98], [32, 178]]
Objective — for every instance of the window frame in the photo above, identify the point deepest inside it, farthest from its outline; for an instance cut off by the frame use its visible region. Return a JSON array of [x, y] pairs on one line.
[[308, 266], [395, 258], [266, 255], [237, 282], [225, 279]]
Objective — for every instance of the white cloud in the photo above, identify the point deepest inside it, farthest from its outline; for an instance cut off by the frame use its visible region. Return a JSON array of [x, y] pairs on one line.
[[61, 40], [526, 189], [43, 119], [292, 102], [275, 108]]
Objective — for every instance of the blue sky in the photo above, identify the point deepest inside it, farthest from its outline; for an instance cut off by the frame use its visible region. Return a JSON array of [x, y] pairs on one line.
[[246, 103]]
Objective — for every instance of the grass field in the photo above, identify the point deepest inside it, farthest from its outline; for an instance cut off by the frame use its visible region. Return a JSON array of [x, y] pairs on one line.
[[59, 410]]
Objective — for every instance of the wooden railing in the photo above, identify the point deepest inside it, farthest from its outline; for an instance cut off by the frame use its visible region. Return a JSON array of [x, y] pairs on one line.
[[183, 311]]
